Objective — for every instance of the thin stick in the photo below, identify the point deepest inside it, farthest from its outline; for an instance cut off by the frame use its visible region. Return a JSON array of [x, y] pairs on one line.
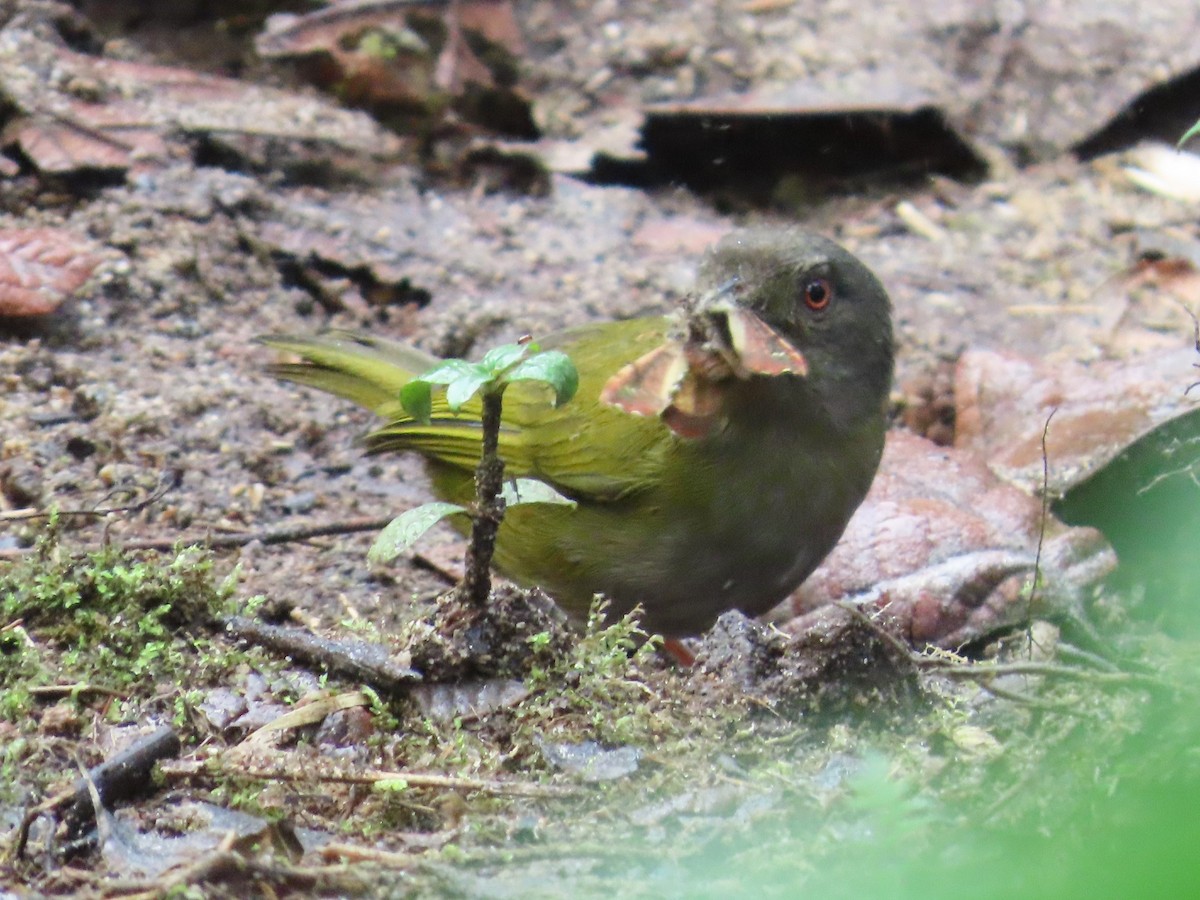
[[991, 670], [114, 779], [283, 535], [1196, 339], [166, 483], [74, 690], [188, 770], [1037, 559]]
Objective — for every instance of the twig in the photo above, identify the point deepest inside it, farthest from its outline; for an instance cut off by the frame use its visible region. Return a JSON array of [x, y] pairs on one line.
[[358, 660], [222, 860], [1196, 339], [992, 670], [283, 535], [486, 856], [225, 862], [1006, 795], [1070, 651], [74, 690], [353, 853], [122, 776], [226, 542], [421, 561], [167, 482], [1034, 702], [186, 770], [957, 669], [1037, 558]]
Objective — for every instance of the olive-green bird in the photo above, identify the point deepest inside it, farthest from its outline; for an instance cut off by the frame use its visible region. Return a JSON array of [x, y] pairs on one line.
[[731, 509]]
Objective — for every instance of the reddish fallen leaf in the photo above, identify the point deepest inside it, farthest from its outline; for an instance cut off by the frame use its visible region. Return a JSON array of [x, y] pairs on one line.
[[760, 349], [685, 379], [76, 111], [86, 141], [645, 386], [40, 268], [947, 550], [1176, 275], [1003, 403]]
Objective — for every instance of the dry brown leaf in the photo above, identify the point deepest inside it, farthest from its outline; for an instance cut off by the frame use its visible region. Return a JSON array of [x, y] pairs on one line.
[[684, 380], [947, 550], [1175, 275], [308, 714], [91, 138], [85, 112], [40, 268], [1003, 403]]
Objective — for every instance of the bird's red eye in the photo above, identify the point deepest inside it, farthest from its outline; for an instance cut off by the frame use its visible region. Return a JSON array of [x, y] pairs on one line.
[[817, 294]]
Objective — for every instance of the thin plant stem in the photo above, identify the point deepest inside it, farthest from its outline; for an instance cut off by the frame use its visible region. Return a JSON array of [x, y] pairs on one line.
[[489, 505]]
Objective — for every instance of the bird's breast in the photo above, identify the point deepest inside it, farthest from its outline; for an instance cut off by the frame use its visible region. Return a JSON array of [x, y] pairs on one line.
[[752, 514]]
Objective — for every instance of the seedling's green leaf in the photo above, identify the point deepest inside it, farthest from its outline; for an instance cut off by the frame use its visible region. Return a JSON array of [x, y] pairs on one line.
[[530, 490], [500, 358], [1189, 134], [462, 380], [406, 529], [552, 367], [417, 399], [464, 387], [450, 370]]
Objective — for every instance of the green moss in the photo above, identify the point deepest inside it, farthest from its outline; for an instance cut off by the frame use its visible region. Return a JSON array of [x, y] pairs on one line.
[[106, 618]]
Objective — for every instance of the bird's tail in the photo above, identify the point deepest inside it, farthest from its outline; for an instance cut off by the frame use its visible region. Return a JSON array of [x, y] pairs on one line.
[[366, 370]]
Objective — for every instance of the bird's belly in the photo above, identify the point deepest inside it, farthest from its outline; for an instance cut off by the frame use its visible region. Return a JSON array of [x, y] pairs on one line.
[[685, 555], [748, 552]]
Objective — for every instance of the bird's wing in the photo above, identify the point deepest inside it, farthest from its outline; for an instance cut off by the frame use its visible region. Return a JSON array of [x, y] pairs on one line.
[[584, 448]]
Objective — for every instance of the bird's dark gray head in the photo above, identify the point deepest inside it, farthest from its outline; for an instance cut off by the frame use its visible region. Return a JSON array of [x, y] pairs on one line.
[[825, 301]]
